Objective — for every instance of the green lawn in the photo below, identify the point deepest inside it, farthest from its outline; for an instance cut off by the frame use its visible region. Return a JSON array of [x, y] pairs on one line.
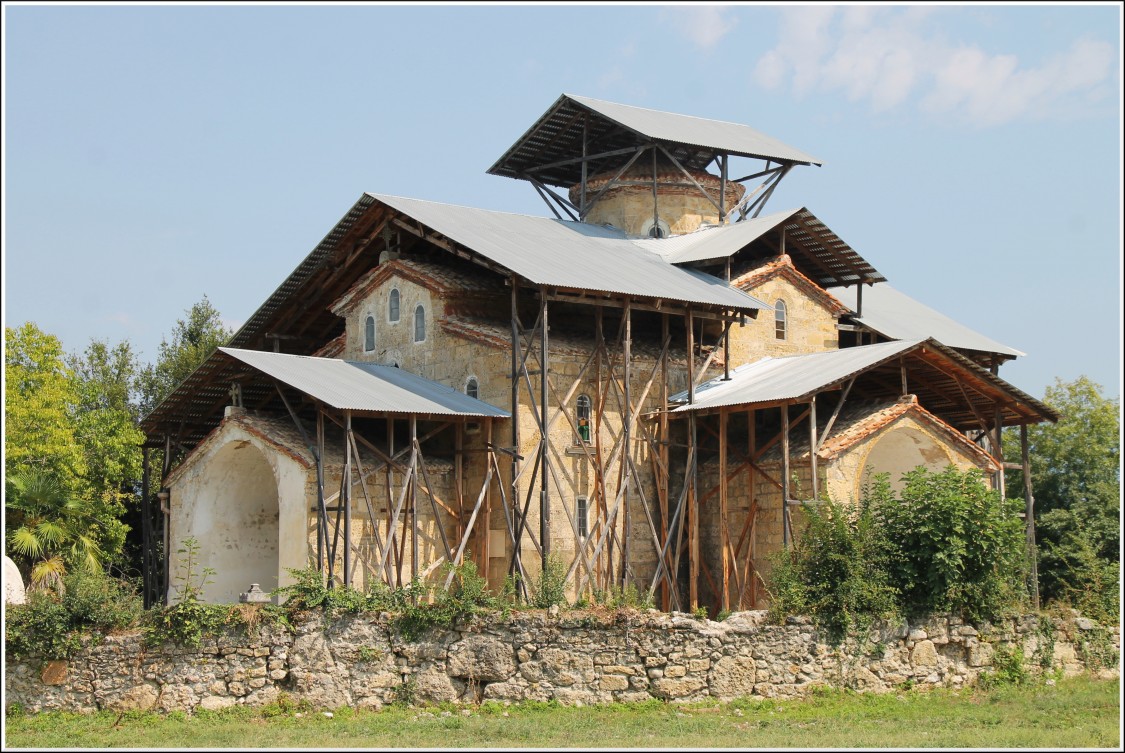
[[1078, 712]]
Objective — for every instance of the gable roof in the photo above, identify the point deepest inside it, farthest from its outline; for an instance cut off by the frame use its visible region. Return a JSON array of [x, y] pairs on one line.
[[552, 147], [782, 266], [863, 420], [948, 384], [570, 255], [434, 277]]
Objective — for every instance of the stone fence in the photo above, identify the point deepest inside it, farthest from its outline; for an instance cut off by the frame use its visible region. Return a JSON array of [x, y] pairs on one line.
[[572, 657]]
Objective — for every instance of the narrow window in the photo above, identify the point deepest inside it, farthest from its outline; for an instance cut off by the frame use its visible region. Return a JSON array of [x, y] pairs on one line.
[[419, 323], [583, 410], [369, 334], [392, 306], [472, 388], [581, 517], [779, 320]]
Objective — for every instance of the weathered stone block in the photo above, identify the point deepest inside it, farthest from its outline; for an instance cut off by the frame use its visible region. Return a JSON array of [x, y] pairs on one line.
[[481, 657]]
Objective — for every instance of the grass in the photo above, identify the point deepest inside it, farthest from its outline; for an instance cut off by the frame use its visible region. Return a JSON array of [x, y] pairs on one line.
[[1075, 713]]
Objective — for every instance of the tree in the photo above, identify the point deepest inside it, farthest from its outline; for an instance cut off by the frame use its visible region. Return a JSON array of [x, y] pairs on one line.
[[193, 340], [1076, 483], [52, 531], [39, 402], [105, 428]]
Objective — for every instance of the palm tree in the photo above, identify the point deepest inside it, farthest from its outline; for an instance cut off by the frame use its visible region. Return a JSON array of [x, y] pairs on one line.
[[52, 529]]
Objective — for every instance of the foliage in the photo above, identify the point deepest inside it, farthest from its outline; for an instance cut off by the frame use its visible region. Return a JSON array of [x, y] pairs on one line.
[[955, 544], [550, 587], [1007, 668], [186, 621], [618, 597], [1095, 649], [69, 420], [39, 402], [836, 572], [49, 529], [193, 340], [417, 606], [1076, 485], [53, 625]]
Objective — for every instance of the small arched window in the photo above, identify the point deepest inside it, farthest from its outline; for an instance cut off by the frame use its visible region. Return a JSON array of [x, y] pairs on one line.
[[419, 323], [369, 334], [779, 320], [472, 388], [582, 407], [392, 306]]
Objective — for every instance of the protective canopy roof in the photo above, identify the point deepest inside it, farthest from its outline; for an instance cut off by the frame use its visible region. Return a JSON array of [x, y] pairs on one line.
[[947, 384], [367, 387], [898, 316], [552, 148], [572, 255], [821, 255]]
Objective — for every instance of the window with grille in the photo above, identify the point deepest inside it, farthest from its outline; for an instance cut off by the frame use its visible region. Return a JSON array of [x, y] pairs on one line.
[[583, 411]]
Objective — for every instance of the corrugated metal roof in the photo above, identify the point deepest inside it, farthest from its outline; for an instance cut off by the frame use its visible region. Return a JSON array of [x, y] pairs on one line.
[[572, 255], [896, 315], [351, 385], [716, 242], [790, 378], [552, 148], [733, 138]]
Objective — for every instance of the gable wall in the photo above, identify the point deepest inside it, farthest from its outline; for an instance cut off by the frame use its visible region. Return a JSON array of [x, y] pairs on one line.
[[811, 327]]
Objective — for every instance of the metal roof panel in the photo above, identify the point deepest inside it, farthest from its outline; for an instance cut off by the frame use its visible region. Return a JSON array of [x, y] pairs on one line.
[[352, 385], [574, 255], [896, 315], [789, 378], [719, 135]]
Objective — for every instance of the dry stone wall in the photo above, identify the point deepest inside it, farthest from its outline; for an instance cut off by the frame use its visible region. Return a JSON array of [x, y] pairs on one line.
[[571, 657]]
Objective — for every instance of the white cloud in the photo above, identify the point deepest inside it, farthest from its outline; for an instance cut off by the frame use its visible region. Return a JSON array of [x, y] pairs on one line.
[[891, 57], [704, 25]]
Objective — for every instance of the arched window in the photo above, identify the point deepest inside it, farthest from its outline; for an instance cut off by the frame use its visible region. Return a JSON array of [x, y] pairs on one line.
[[472, 388], [779, 322], [582, 516], [655, 229], [369, 334], [419, 323], [392, 306], [583, 410]]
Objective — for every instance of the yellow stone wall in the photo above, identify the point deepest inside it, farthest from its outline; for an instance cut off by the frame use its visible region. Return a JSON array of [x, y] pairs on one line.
[[630, 208], [811, 328]]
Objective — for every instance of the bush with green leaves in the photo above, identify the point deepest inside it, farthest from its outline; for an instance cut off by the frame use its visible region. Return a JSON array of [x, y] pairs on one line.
[[550, 588], [955, 545], [53, 625], [836, 572]]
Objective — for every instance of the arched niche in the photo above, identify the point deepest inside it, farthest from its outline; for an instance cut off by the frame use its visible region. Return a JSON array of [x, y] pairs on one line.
[[235, 523], [902, 449]]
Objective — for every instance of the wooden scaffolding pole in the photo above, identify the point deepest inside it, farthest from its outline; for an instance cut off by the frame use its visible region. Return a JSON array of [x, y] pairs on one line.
[[1029, 520]]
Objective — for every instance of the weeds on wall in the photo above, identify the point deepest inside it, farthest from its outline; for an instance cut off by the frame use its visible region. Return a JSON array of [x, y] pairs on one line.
[[54, 625]]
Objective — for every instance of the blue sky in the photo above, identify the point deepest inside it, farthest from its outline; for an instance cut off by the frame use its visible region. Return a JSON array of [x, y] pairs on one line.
[[155, 154]]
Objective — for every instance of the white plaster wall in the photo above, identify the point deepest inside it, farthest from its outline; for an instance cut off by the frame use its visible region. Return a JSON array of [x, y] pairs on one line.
[[243, 501]]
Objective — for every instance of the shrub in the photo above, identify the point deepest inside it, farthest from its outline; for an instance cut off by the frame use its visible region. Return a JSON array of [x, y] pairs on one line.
[[53, 626], [835, 572], [550, 588], [955, 544]]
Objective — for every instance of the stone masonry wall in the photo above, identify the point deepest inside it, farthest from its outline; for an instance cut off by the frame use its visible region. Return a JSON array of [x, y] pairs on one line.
[[571, 657]]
